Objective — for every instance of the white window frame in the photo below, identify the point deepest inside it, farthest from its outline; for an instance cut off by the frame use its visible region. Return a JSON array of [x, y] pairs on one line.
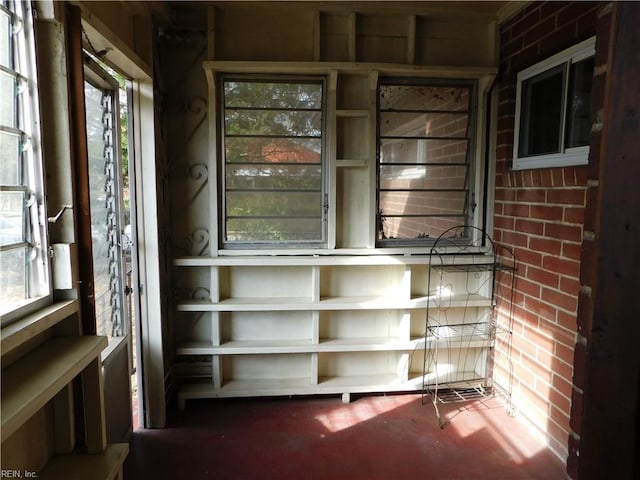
[[567, 156], [38, 271]]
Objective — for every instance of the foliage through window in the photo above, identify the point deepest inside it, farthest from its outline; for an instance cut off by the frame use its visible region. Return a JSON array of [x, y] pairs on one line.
[[423, 169], [273, 175], [24, 265], [553, 112]]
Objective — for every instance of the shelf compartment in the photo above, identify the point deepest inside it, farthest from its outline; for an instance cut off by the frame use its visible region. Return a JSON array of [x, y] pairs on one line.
[[387, 281], [269, 326], [284, 282], [266, 367], [359, 364]]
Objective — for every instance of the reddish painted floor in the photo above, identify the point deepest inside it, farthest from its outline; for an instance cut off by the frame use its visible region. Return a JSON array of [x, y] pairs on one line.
[[390, 437]]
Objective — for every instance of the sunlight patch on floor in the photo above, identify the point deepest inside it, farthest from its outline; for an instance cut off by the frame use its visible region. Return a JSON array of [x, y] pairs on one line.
[[348, 415]]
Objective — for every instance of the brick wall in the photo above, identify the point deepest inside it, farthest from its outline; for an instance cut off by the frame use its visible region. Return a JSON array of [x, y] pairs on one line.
[[540, 215]]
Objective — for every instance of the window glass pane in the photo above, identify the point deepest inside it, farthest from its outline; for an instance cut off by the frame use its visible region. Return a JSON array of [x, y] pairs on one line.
[[424, 97], [5, 43], [10, 155], [98, 185], [273, 122], [13, 274], [417, 228], [273, 95], [423, 125], [7, 100], [277, 150], [423, 181], [12, 226], [415, 177], [273, 204], [423, 151], [281, 230], [579, 103], [274, 177], [541, 113]]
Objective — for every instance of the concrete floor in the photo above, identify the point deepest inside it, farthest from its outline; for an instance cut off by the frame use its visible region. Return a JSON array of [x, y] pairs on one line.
[[390, 437]]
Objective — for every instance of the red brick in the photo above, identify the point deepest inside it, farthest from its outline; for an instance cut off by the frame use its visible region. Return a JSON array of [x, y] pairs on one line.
[[524, 58], [574, 215], [529, 226], [546, 212], [545, 245], [526, 22], [545, 174], [514, 239], [558, 40], [569, 233], [570, 196], [561, 266], [557, 178], [570, 286], [531, 195], [542, 276], [505, 194], [587, 24], [566, 320], [559, 299], [505, 223], [542, 28], [528, 257], [564, 353], [540, 308], [561, 408], [561, 384], [563, 369], [529, 288], [516, 210], [572, 251]]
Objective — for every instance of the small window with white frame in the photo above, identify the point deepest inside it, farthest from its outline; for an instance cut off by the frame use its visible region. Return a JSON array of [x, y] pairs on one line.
[[553, 110], [24, 263]]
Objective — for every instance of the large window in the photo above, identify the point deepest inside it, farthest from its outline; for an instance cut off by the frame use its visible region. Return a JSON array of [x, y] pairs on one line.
[[24, 265], [424, 148], [553, 110], [273, 175]]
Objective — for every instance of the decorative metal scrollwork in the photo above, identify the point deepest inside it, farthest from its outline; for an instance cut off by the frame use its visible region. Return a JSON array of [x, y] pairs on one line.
[[199, 173]]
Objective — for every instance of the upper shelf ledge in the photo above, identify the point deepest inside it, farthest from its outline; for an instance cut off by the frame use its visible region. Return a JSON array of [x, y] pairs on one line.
[[354, 68]]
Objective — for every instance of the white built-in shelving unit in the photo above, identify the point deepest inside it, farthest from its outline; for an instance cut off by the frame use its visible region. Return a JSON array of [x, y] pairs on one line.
[[315, 324]]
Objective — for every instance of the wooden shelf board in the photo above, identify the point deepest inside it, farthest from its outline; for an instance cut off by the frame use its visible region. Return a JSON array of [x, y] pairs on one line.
[[475, 341], [27, 386], [101, 466], [454, 301], [415, 256], [261, 304], [351, 162], [239, 347], [299, 386], [352, 112], [19, 332]]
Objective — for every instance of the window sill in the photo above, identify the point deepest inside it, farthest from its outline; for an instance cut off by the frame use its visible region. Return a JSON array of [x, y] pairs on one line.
[[28, 327]]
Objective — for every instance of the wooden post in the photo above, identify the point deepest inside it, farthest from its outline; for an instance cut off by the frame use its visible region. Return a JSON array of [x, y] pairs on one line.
[[610, 445]]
